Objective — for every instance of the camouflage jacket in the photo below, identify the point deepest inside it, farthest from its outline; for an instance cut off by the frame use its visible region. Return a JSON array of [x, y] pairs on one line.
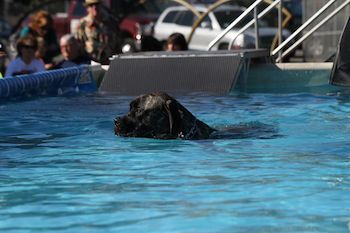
[[99, 37]]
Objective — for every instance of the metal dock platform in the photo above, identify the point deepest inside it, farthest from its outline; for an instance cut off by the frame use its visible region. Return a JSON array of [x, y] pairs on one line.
[[187, 71]]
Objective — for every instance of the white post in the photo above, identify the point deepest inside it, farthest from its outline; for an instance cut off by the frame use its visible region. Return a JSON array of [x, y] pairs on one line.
[[280, 7], [234, 23], [302, 27], [257, 37]]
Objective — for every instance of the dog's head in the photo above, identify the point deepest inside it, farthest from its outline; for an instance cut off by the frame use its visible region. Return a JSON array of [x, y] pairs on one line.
[[157, 115]]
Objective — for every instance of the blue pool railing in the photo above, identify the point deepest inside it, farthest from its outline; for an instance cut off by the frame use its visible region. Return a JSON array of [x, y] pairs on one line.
[[53, 82]]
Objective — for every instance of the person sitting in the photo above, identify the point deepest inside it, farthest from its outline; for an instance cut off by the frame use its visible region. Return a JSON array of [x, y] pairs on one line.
[[26, 62], [41, 27], [176, 42], [72, 52]]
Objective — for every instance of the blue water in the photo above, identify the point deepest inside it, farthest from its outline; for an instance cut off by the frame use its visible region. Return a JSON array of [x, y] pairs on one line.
[[62, 169]]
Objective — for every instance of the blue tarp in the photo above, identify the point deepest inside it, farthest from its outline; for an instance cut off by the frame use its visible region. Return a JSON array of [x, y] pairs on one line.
[[52, 82]]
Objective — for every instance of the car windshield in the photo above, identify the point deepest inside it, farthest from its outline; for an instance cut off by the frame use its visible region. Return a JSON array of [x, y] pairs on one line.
[[5, 28], [226, 17], [79, 10], [156, 6]]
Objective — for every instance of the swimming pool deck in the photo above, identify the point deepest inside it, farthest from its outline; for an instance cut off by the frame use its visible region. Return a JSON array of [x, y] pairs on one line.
[[217, 73]]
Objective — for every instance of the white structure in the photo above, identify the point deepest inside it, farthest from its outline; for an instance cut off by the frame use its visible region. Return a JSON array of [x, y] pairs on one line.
[[323, 43]]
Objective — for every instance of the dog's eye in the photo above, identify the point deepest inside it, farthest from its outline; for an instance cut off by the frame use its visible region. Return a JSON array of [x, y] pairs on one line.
[[133, 105]]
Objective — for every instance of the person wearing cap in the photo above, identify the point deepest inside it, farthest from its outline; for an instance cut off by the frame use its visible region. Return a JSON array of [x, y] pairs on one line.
[[41, 27], [25, 62], [98, 32]]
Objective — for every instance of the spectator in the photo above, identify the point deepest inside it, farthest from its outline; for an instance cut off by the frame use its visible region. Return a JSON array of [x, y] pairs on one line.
[[176, 42], [72, 52], [98, 33], [3, 59], [41, 27], [26, 62], [149, 43]]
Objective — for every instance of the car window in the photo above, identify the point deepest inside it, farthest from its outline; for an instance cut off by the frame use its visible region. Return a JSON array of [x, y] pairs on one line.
[[56, 7], [206, 23], [169, 18], [156, 6], [79, 10], [185, 18], [226, 17], [4, 26]]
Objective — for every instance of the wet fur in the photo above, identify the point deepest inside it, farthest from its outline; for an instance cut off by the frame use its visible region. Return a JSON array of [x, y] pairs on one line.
[[158, 115]]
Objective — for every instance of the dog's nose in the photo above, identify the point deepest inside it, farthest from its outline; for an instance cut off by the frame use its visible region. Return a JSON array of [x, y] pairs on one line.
[[116, 120]]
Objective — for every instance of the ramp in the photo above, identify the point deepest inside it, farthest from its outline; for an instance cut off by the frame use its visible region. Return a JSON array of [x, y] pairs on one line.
[[178, 72]]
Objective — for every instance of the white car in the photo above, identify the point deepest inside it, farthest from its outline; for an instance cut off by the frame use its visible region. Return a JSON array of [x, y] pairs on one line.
[[180, 19]]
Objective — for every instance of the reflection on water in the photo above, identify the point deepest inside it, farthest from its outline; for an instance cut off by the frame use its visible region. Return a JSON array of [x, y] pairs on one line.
[[283, 168], [28, 141], [246, 130]]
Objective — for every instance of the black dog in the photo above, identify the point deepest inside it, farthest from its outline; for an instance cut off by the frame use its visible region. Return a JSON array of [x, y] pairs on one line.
[[157, 115]]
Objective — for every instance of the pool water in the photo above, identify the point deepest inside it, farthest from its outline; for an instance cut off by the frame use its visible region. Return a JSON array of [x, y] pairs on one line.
[[62, 169]]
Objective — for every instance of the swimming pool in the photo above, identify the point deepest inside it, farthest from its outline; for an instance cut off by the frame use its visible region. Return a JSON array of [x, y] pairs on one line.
[[62, 169]]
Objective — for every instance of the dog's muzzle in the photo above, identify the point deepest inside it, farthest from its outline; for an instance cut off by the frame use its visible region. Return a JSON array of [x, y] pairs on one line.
[[124, 126]]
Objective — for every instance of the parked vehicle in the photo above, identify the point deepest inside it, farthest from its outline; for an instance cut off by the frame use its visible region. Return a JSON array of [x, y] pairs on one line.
[[67, 22], [5, 29], [5, 33], [180, 19]]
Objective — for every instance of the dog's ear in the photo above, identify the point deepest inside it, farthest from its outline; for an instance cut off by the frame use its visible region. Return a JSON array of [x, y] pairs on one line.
[[174, 116]]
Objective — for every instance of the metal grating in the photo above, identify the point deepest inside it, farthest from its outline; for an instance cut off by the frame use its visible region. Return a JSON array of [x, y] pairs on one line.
[[176, 72]]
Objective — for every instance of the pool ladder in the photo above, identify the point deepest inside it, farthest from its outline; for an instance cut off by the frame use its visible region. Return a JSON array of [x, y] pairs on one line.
[[278, 52]]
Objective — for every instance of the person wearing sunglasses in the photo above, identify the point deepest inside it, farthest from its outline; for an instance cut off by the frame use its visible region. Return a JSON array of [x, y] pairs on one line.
[[26, 61]]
